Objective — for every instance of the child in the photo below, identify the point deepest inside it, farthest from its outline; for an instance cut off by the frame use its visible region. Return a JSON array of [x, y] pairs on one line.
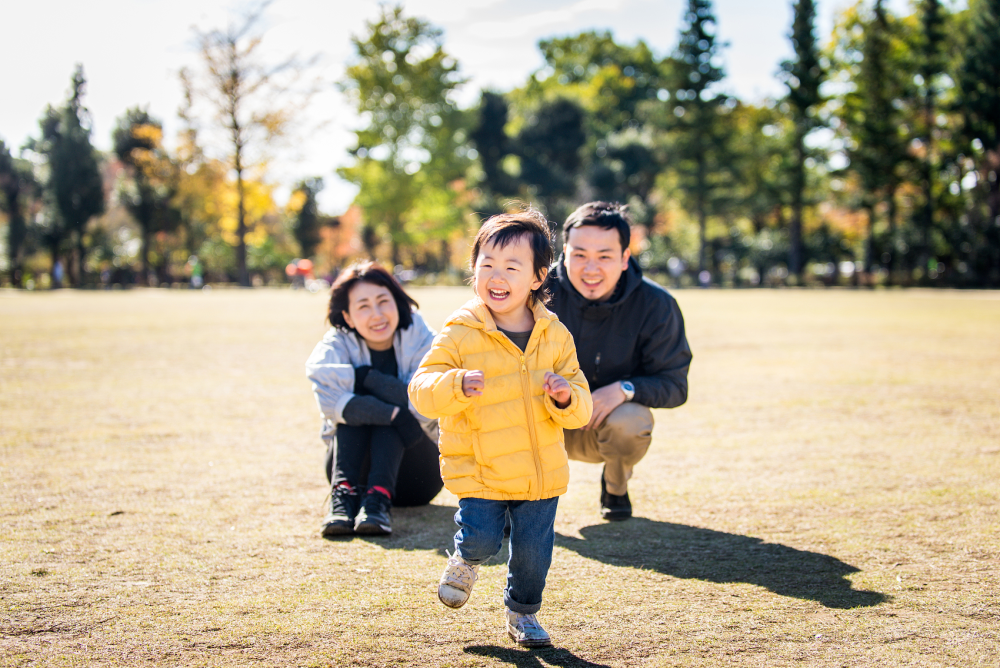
[[503, 378]]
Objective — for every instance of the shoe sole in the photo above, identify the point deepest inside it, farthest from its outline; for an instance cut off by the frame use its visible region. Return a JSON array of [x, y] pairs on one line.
[[451, 605], [529, 643], [616, 517], [335, 530], [373, 530]]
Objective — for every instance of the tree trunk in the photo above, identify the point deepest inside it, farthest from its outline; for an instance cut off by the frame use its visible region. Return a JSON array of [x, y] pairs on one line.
[[241, 229], [80, 259], [869, 260], [891, 210], [702, 217], [144, 256], [795, 226]]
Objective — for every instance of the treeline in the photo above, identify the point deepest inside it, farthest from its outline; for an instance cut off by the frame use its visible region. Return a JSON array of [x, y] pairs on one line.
[[878, 165], [143, 214]]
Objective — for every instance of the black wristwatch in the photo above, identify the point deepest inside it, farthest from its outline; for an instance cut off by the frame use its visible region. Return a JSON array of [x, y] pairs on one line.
[[628, 388]]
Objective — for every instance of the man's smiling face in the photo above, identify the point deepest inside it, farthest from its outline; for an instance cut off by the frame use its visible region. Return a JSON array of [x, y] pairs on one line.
[[594, 261]]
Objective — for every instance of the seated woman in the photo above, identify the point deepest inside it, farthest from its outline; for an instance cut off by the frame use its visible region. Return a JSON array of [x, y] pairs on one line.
[[380, 451]]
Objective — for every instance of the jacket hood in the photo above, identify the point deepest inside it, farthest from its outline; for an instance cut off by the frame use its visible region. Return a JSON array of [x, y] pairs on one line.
[[474, 313], [599, 310]]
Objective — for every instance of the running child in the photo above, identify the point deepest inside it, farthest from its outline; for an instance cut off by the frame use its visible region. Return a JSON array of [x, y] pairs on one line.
[[503, 378]]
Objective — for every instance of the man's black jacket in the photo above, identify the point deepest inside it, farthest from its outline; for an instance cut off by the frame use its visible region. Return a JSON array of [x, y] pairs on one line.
[[637, 335]]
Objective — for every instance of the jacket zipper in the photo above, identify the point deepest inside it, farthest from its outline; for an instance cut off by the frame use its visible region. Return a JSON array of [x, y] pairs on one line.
[[526, 391], [597, 369]]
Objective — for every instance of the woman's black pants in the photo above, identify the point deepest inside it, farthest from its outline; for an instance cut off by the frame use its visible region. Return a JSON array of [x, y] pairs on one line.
[[368, 455]]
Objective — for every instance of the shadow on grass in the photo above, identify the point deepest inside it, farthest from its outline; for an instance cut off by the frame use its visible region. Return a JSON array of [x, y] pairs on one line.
[[522, 658], [702, 554]]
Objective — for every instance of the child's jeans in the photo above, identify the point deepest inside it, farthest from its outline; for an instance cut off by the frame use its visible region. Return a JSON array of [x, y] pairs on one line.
[[532, 533]]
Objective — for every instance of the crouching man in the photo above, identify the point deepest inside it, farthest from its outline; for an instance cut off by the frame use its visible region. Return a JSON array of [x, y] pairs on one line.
[[630, 342]]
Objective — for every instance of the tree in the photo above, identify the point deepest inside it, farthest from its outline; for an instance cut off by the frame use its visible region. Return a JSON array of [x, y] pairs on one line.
[[489, 137], [307, 219], [549, 148], [615, 85], [931, 67], [253, 103], [803, 76], [877, 141], [73, 183], [402, 84], [699, 135], [151, 183], [979, 80], [17, 183], [609, 80]]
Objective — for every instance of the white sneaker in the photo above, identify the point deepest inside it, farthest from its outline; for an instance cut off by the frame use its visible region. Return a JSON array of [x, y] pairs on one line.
[[525, 630], [456, 582]]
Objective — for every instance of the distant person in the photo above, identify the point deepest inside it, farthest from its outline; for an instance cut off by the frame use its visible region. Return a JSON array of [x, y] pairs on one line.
[[380, 452], [503, 378], [630, 341]]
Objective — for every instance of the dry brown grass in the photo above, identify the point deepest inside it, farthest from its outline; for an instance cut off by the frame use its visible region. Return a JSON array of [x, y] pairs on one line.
[[828, 496]]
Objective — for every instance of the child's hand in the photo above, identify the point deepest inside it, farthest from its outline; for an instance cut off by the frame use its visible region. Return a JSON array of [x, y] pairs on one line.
[[473, 383], [558, 388]]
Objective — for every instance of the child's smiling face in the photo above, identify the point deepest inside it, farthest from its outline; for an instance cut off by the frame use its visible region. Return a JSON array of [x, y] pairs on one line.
[[373, 312], [504, 278]]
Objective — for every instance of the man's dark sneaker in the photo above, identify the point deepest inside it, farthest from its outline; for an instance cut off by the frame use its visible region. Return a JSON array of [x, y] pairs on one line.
[[375, 516], [614, 508], [339, 521]]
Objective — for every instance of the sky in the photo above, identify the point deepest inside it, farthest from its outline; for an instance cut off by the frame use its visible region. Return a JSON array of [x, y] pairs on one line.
[[132, 51]]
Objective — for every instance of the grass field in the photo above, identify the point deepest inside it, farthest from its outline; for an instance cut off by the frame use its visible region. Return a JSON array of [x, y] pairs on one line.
[[829, 495]]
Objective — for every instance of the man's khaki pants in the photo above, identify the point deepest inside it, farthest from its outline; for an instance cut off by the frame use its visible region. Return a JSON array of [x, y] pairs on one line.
[[619, 442]]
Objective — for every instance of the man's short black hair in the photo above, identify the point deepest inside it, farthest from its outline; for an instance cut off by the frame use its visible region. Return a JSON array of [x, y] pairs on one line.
[[606, 215]]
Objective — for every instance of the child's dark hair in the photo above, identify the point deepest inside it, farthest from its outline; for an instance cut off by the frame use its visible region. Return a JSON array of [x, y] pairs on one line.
[[505, 228], [606, 215], [367, 271]]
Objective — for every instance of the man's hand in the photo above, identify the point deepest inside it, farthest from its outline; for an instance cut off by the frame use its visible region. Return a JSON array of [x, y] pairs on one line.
[[473, 383], [558, 388], [606, 399]]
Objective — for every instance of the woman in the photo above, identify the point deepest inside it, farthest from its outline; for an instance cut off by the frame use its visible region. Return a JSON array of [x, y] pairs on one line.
[[359, 373]]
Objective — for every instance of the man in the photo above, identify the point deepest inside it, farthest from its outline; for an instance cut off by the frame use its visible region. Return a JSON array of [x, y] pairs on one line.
[[630, 342]]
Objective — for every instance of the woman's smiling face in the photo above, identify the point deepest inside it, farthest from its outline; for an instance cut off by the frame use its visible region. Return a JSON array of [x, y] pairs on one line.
[[373, 313]]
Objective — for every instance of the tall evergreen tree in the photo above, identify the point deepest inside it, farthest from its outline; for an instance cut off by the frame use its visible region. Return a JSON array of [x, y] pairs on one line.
[[803, 76], [871, 116], [493, 146], [699, 138], [549, 146], [16, 184], [979, 79], [307, 220], [74, 183], [150, 185], [931, 65]]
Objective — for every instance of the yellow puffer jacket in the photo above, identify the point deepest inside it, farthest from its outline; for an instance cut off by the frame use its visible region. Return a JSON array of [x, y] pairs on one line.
[[508, 443]]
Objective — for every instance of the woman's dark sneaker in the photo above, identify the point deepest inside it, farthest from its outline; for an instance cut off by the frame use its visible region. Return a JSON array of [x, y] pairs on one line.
[[375, 516], [614, 508], [339, 521]]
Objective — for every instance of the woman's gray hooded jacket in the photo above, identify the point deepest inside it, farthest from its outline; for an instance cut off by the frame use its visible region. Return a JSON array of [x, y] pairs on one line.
[[331, 366]]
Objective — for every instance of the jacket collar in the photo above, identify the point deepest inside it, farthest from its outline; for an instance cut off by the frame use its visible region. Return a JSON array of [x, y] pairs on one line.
[[474, 313]]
